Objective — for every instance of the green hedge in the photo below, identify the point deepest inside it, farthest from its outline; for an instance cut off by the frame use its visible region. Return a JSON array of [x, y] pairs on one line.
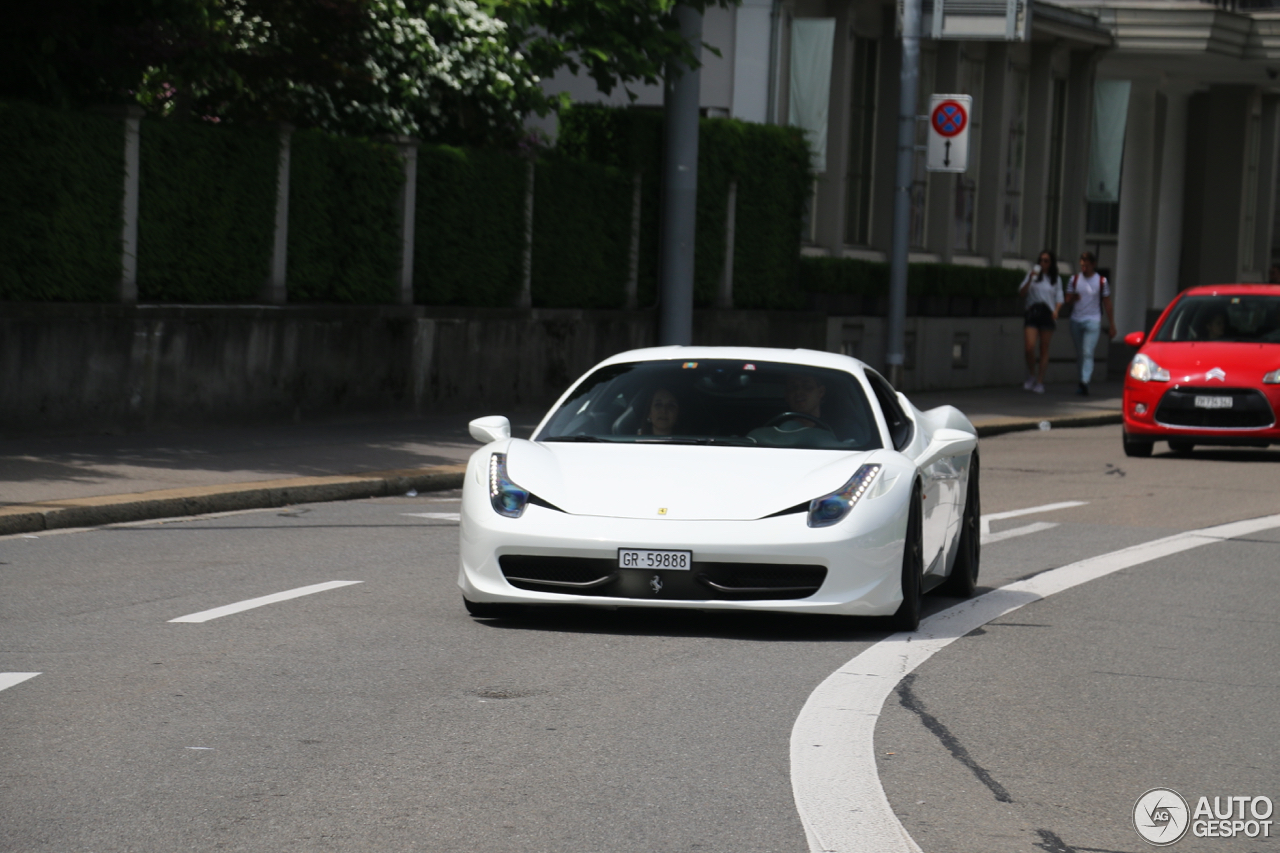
[[344, 227], [581, 234], [871, 278], [771, 165], [470, 227], [61, 191], [206, 212]]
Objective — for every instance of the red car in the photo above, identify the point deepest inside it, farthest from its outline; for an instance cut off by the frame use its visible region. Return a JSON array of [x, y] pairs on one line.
[[1209, 373]]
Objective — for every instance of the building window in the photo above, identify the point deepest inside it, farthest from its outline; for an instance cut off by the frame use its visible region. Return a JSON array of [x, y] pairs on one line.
[[1102, 217], [1057, 145], [920, 175], [1015, 157], [969, 82], [862, 129]]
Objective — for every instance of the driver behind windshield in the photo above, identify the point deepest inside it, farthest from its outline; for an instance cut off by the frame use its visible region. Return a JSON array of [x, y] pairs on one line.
[[804, 397]]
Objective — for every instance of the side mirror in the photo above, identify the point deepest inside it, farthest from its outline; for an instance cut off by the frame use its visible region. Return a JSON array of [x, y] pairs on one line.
[[1135, 339], [492, 428]]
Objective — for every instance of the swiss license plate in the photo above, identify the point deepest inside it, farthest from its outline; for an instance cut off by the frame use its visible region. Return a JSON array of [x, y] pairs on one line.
[[1204, 401], [639, 558]]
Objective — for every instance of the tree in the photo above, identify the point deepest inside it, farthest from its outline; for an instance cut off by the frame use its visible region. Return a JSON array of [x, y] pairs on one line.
[[615, 41], [447, 70]]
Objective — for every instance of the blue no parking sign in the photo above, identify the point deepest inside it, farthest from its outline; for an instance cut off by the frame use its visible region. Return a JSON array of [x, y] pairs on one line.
[[948, 148]]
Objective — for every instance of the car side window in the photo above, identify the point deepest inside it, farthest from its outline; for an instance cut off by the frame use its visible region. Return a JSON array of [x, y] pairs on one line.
[[900, 426]]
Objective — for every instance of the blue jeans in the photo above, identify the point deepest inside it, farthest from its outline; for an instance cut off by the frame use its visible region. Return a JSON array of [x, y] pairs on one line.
[[1085, 335]]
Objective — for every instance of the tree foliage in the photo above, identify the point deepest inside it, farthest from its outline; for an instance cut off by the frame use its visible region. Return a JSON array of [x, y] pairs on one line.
[[457, 71], [614, 41]]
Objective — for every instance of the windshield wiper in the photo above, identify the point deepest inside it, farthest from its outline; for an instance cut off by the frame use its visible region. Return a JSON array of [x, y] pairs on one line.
[[573, 438], [728, 442]]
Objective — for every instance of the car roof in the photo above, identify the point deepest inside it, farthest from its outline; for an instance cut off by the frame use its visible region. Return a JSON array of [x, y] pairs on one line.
[[806, 357], [1232, 289]]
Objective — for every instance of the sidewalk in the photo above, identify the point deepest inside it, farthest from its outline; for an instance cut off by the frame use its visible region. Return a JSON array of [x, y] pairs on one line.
[[51, 482]]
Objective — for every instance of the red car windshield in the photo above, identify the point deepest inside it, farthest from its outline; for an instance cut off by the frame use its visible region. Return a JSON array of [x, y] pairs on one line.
[[1223, 318]]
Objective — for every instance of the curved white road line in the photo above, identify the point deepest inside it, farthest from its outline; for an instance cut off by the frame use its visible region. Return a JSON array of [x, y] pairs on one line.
[[834, 778]]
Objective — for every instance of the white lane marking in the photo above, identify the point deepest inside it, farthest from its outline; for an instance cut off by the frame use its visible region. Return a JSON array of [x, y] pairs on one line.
[[8, 679], [833, 764], [1014, 513], [440, 516], [228, 609], [988, 537]]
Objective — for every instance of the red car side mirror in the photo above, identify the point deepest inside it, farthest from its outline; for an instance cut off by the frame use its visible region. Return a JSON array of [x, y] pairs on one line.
[[1135, 339]]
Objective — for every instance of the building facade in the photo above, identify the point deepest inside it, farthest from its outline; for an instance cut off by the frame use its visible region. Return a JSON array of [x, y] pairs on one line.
[[1144, 130]]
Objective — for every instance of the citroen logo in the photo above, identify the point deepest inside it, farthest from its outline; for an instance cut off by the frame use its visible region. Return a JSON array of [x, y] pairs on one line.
[[1217, 373], [655, 584]]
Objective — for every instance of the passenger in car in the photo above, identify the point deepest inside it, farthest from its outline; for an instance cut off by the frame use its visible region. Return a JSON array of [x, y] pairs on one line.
[[664, 411]]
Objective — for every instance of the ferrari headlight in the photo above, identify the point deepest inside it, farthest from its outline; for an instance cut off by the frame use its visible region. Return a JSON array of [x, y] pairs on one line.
[[828, 509], [507, 498], [1272, 378], [1144, 369]]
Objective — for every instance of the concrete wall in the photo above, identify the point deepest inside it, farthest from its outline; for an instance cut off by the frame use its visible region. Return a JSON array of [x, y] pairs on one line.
[[135, 367], [960, 352]]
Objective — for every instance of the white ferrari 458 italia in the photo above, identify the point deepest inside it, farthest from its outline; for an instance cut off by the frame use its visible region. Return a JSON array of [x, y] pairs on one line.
[[724, 478]]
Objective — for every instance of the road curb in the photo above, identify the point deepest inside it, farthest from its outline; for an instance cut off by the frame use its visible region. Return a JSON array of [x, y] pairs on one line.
[[1000, 427], [170, 503]]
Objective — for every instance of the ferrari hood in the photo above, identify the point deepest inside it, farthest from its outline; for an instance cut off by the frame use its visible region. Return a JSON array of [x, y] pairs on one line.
[[678, 482]]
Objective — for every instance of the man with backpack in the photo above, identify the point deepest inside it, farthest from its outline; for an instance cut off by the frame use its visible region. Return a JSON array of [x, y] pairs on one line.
[[1089, 295]]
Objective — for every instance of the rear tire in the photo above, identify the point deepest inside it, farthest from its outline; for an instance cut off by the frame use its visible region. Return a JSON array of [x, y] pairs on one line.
[[907, 617], [1137, 447], [963, 580], [1182, 447]]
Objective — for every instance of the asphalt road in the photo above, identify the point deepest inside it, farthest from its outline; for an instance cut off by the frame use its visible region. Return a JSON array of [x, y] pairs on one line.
[[379, 716]]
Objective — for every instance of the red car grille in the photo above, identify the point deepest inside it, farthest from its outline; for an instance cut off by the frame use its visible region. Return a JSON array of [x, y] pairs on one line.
[[1249, 409]]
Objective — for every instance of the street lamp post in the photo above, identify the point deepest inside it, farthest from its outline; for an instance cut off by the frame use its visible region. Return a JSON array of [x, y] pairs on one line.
[[681, 98], [907, 97]]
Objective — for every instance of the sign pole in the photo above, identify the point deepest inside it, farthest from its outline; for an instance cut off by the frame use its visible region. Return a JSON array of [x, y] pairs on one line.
[[909, 82]]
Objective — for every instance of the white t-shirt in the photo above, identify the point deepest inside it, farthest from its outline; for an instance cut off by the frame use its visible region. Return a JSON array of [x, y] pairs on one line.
[[1091, 289], [1047, 291]]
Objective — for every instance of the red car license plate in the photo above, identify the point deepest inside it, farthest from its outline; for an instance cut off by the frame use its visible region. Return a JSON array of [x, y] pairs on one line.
[[1206, 402]]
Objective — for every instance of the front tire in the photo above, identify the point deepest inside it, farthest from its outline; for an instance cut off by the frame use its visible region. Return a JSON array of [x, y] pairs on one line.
[[1137, 447], [963, 580], [907, 617]]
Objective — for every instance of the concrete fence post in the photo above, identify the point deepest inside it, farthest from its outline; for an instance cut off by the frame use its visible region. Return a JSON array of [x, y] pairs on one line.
[[724, 299], [275, 290], [633, 261], [525, 299], [408, 148], [132, 117]]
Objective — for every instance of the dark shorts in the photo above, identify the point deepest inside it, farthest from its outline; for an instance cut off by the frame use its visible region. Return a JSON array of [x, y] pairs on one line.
[[1040, 316]]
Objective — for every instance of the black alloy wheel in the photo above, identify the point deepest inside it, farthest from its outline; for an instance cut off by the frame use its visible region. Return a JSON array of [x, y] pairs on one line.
[[907, 618], [963, 579], [1137, 447]]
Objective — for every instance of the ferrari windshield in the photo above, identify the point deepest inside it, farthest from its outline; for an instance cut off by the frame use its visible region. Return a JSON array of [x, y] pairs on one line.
[[1242, 318], [717, 402]]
